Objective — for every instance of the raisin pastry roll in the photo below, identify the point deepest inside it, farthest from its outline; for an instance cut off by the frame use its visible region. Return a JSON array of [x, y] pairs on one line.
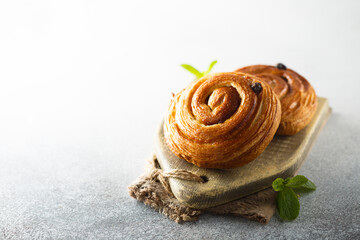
[[297, 96], [222, 120]]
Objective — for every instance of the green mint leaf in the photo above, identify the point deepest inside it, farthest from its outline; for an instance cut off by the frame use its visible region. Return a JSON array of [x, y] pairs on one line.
[[286, 180], [309, 185], [210, 67], [287, 204], [278, 184], [297, 181], [192, 70], [196, 72]]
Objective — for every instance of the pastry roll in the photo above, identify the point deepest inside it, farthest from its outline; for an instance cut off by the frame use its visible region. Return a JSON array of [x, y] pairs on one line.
[[222, 120], [297, 96]]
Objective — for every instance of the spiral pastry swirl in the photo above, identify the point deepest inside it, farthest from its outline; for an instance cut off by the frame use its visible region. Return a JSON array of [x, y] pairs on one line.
[[297, 96], [223, 120]]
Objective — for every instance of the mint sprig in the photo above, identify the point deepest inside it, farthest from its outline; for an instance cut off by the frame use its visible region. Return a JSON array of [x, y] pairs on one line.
[[288, 204], [287, 201], [196, 72]]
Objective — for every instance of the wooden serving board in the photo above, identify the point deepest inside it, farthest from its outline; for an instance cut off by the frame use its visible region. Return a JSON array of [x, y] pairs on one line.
[[282, 158]]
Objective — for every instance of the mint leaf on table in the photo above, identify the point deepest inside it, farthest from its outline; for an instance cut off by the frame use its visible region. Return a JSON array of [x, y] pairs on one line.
[[309, 185], [288, 204], [300, 182], [196, 72], [296, 181], [287, 201], [278, 184]]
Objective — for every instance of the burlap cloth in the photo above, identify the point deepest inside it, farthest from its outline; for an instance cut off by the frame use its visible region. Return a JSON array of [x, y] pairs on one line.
[[153, 190]]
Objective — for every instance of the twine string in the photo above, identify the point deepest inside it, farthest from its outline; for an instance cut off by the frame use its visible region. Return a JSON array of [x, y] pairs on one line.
[[163, 177]]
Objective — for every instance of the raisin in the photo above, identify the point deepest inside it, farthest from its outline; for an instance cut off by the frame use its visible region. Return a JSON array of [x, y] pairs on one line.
[[256, 87], [281, 66]]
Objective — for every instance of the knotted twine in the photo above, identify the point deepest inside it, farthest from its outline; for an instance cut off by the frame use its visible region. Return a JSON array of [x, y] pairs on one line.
[[163, 177]]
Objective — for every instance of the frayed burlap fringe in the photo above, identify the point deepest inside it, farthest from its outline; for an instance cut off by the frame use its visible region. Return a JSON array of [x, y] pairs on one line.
[[153, 189]]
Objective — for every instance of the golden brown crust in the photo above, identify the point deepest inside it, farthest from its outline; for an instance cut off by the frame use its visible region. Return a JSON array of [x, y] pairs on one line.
[[219, 121], [297, 96]]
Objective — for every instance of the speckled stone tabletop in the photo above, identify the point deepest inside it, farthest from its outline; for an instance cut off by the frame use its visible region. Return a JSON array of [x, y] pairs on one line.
[[84, 85]]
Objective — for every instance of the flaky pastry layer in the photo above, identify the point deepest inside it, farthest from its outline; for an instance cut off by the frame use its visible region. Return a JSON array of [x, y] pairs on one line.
[[297, 96], [223, 120]]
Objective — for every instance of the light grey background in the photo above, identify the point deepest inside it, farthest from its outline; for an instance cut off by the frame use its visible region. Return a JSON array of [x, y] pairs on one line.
[[84, 84]]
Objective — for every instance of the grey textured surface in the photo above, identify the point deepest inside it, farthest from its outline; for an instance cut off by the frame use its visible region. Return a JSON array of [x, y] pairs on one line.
[[83, 86], [81, 193]]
